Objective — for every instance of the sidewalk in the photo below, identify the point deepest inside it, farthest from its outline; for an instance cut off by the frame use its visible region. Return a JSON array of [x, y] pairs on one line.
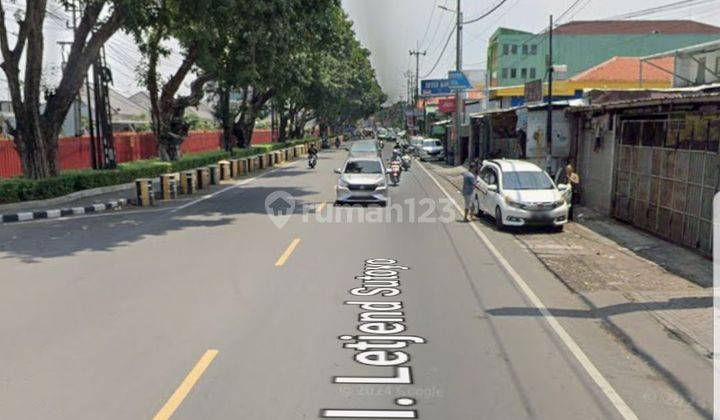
[[617, 268]]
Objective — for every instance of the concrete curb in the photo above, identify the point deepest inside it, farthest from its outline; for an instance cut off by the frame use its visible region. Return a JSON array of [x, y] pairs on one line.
[[57, 213], [58, 201]]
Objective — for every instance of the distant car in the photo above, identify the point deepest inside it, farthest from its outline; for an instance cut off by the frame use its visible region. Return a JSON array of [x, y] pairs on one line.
[[415, 144], [519, 193], [365, 148], [383, 134], [362, 180], [392, 135], [432, 149]]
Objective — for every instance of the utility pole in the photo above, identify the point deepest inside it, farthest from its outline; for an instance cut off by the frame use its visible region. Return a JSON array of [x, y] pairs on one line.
[[408, 78], [416, 93], [102, 77], [77, 106], [459, 108], [549, 128]]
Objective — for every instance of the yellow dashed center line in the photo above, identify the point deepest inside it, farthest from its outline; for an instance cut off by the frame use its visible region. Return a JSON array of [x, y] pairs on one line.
[[284, 257], [187, 384]]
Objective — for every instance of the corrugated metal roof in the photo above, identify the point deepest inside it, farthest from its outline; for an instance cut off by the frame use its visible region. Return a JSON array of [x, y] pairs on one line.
[[627, 69], [635, 27], [693, 49]]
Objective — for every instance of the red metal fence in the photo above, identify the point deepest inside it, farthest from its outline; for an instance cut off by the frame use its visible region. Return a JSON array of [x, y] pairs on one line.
[[75, 151]]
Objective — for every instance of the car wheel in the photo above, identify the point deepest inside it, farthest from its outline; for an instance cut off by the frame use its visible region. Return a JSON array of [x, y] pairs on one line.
[[559, 229], [499, 219]]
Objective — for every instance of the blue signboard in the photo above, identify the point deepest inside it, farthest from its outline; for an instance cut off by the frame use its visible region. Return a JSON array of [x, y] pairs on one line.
[[437, 87], [459, 81]]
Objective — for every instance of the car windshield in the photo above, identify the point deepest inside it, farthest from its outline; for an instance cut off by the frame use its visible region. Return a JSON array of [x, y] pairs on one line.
[[363, 147], [534, 180], [363, 167], [432, 143]]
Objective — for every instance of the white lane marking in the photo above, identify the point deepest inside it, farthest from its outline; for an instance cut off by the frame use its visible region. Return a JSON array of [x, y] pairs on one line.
[[369, 414], [224, 190], [571, 345]]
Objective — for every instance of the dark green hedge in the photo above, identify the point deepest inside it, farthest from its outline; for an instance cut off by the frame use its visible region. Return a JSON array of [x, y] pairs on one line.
[[21, 189]]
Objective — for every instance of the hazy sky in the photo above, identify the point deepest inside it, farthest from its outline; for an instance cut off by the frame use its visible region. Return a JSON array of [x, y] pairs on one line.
[[390, 28]]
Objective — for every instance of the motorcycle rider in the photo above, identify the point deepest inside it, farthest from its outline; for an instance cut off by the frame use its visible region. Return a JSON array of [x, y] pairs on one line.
[[337, 143], [397, 152], [312, 152], [395, 170]]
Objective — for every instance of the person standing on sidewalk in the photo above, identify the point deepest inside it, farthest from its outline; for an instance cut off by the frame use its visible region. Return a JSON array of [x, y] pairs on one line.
[[469, 184], [572, 179]]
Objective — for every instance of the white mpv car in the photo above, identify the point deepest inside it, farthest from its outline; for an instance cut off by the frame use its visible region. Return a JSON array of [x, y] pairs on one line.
[[518, 193]]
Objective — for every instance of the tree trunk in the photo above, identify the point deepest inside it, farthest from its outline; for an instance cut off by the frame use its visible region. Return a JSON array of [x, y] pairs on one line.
[[36, 153], [169, 150], [36, 133], [284, 121]]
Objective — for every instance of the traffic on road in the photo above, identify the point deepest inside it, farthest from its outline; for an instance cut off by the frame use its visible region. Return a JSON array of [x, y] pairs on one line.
[[355, 209]]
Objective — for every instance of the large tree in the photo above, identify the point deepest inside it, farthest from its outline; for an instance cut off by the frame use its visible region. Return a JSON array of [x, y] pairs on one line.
[[196, 28], [37, 128], [342, 85], [266, 53]]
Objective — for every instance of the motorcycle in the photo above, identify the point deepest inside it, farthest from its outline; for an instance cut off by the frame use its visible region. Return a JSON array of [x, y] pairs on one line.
[[337, 143], [406, 162], [312, 161], [394, 172]]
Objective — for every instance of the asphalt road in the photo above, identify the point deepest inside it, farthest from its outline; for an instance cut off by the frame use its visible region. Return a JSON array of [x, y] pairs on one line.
[[210, 311]]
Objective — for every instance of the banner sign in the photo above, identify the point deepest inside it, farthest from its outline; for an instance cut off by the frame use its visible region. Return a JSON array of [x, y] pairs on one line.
[[459, 81], [436, 87], [447, 106]]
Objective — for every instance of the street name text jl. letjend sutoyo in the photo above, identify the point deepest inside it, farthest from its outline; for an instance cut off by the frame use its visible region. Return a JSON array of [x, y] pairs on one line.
[[382, 343]]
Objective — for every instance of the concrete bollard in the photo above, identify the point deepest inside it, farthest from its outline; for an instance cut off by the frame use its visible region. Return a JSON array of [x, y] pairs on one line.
[[214, 174], [241, 167], [144, 192], [234, 167], [188, 182], [169, 186], [203, 178], [225, 173]]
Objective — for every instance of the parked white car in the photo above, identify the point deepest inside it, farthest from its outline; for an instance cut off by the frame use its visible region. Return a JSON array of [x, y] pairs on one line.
[[519, 193]]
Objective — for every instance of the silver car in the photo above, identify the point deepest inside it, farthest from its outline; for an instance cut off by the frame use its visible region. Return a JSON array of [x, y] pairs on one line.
[[362, 180], [432, 149], [364, 148]]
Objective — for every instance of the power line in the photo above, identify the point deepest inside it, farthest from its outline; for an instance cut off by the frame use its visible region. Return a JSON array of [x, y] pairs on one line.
[[435, 33], [441, 55], [674, 6], [572, 6], [486, 14], [427, 28]]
